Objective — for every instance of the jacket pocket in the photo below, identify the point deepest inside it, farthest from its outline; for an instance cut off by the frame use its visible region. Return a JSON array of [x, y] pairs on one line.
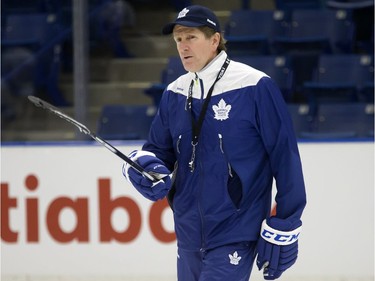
[[234, 184], [172, 191]]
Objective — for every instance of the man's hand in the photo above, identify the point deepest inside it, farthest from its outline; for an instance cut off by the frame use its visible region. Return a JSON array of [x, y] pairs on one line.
[[277, 247], [153, 190]]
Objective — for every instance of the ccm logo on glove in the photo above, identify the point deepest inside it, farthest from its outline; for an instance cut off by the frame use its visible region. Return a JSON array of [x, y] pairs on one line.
[[153, 190], [278, 237]]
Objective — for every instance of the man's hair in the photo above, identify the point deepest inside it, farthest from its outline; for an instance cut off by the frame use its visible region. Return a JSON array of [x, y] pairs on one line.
[[209, 32]]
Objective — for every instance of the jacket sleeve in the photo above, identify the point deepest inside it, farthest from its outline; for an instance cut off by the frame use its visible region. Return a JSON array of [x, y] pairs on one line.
[[159, 140], [277, 133]]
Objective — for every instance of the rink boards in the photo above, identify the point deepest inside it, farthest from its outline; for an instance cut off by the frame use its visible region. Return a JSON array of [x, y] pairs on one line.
[[67, 210]]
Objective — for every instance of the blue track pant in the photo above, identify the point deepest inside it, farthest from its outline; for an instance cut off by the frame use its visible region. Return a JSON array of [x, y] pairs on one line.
[[229, 262]]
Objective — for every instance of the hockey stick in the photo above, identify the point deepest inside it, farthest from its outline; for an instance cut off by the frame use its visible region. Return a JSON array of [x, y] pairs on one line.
[[83, 129]]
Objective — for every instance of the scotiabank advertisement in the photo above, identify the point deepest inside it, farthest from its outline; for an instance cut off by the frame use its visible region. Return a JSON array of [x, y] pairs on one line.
[[68, 210]]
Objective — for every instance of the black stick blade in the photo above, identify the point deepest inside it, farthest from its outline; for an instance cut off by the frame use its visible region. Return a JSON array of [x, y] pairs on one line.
[[43, 104]]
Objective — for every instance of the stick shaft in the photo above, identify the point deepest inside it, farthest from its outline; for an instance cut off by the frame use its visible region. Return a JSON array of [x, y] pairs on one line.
[[83, 129]]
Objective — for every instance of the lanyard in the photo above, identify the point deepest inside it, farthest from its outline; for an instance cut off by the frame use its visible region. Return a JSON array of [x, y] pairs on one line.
[[197, 126]]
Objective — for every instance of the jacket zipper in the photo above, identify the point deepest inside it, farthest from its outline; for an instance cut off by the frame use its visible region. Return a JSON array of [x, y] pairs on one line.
[[222, 151], [178, 144], [203, 240], [199, 82]]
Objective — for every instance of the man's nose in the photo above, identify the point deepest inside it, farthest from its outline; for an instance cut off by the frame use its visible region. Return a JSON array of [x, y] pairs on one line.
[[183, 46]]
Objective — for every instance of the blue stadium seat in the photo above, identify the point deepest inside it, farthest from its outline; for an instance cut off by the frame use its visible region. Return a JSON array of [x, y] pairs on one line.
[[340, 120], [173, 70], [318, 31], [366, 92], [39, 34], [349, 4], [125, 122], [252, 31], [298, 4], [279, 68], [312, 32], [27, 6], [303, 120], [363, 17], [340, 78], [33, 29]]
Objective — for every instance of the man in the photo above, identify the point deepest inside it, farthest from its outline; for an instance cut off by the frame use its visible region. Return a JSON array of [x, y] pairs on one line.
[[224, 129]]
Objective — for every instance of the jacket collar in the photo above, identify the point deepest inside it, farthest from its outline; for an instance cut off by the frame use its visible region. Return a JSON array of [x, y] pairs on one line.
[[210, 71]]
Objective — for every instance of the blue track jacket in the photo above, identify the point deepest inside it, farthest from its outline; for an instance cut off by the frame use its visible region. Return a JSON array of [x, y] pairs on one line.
[[246, 141]]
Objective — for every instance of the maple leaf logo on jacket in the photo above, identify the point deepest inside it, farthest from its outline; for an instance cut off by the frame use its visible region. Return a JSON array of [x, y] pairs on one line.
[[234, 259], [221, 110]]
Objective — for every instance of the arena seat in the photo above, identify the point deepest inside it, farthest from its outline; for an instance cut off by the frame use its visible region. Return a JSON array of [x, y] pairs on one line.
[[38, 34], [125, 122], [343, 121], [252, 31], [340, 78], [172, 71]]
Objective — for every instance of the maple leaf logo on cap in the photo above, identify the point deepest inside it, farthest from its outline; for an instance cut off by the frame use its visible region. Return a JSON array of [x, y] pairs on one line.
[[183, 13]]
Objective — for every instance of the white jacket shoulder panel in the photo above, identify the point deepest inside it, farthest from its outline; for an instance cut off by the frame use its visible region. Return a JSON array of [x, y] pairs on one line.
[[237, 76], [181, 84]]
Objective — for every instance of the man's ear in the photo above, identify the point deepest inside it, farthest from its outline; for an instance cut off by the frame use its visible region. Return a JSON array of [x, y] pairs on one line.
[[216, 39]]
